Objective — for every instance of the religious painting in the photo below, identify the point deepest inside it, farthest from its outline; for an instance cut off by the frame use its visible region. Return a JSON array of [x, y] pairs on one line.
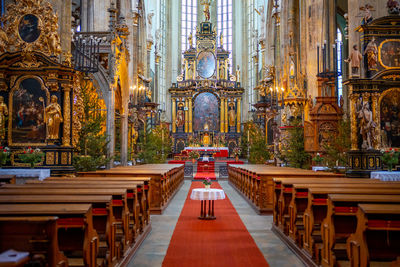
[[28, 28], [206, 113], [206, 64], [389, 53], [390, 119], [28, 105]]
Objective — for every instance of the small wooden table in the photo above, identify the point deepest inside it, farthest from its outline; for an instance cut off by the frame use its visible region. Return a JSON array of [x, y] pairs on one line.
[[204, 195]]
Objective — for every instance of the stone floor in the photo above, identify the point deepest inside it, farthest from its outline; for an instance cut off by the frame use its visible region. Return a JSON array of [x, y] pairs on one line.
[[152, 251]]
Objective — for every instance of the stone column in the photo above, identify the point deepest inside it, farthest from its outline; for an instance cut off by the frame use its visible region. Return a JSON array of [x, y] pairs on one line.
[[226, 114], [173, 115], [353, 120], [186, 116], [124, 138], [238, 115], [110, 125], [222, 117], [190, 116], [156, 78], [66, 139], [149, 45]]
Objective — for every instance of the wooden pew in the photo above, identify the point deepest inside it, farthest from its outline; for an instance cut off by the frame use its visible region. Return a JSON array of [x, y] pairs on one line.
[[119, 206], [377, 237], [103, 217], [34, 234], [317, 210], [165, 180], [341, 221], [255, 182], [7, 179], [75, 232]]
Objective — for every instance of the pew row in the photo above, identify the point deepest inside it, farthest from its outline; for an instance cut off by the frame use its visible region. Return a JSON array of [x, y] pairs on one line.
[[255, 182]]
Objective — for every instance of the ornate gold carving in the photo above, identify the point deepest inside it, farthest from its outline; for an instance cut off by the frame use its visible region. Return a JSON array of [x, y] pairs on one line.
[[371, 162], [3, 117], [53, 118], [20, 164], [353, 112], [50, 158], [391, 77], [77, 110], [380, 53], [28, 60], [48, 40], [64, 158], [67, 119]]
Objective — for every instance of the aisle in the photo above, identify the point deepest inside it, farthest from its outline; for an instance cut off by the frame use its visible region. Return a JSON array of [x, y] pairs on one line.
[[221, 242]]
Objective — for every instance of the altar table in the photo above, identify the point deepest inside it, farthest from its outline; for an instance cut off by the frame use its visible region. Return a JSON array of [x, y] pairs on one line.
[[219, 151], [204, 195], [386, 176]]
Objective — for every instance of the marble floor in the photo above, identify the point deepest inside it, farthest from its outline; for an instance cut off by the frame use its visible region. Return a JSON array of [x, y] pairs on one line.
[[154, 247]]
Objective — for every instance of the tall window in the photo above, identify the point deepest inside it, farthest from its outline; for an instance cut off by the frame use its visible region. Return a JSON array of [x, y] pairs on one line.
[[224, 18], [189, 22], [339, 63]]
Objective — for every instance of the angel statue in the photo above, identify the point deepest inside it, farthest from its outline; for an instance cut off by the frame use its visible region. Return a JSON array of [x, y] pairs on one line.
[[206, 10], [367, 18]]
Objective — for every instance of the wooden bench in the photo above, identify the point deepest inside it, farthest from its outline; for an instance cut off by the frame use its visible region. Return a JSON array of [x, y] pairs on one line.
[[75, 233], [34, 234], [317, 210], [119, 206], [7, 179], [377, 237], [341, 222], [103, 217]]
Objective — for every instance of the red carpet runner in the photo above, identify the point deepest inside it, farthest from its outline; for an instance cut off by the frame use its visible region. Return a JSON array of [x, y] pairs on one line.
[[204, 170], [222, 242]]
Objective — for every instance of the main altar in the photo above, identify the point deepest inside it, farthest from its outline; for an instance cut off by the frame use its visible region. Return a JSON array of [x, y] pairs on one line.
[[206, 99]]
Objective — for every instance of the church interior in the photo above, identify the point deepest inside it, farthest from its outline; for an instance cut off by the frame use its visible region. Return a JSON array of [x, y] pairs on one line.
[[200, 133]]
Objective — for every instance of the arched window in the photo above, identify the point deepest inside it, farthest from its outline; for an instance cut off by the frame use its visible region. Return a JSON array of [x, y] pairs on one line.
[[189, 22], [224, 19], [339, 56]]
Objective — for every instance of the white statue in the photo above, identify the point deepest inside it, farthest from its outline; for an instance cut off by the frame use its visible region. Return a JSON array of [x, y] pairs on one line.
[[367, 126], [260, 12], [150, 25]]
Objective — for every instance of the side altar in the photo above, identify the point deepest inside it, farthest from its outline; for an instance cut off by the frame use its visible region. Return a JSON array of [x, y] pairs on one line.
[[206, 100]]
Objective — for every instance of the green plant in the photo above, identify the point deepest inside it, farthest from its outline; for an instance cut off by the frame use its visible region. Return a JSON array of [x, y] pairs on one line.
[[318, 159], [194, 154], [31, 156], [4, 155], [338, 144], [293, 149], [390, 157], [155, 145], [91, 149], [255, 143], [237, 151], [207, 181]]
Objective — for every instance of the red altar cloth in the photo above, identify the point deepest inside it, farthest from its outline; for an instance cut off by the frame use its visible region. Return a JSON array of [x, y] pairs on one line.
[[218, 152]]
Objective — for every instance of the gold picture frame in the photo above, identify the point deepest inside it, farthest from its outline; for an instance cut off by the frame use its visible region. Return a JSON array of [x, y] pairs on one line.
[[381, 61]]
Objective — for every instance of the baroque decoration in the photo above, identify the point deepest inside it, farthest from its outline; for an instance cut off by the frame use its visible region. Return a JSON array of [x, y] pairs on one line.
[[35, 89]]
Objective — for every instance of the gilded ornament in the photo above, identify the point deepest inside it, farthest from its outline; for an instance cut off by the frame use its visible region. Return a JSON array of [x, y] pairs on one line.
[[77, 111], [53, 118], [64, 158], [50, 158], [3, 118]]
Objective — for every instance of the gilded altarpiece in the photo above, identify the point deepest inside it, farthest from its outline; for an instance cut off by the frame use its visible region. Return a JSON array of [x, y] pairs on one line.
[[36, 91], [374, 100], [206, 100]]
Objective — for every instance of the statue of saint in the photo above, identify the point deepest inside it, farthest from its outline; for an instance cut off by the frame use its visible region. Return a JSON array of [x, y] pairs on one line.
[[372, 54], [3, 117], [206, 139], [355, 60], [221, 39], [206, 10], [180, 118], [189, 75], [232, 117], [238, 74], [221, 70], [53, 118], [190, 39], [367, 126]]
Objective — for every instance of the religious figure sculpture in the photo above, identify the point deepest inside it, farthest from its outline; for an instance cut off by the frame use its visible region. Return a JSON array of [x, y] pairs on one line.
[[367, 126], [393, 7], [238, 74], [260, 12], [221, 39], [190, 39], [206, 10], [367, 18], [180, 118], [150, 24], [3, 40], [189, 75], [232, 117], [3, 114], [206, 139], [221, 70], [355, 60], [53, 118], [372, 54]]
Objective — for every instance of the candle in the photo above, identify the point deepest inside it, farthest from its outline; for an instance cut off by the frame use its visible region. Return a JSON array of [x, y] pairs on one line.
[[248, 136]]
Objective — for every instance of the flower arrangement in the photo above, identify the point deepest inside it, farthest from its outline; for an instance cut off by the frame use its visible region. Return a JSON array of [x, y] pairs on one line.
[[194, 154], [207, 182], [237, 151], [4, 155], [31, 156], [318, 159], [390, 157]]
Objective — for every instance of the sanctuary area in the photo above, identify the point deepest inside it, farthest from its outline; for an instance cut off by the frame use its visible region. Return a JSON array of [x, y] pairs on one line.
[[199, 133]]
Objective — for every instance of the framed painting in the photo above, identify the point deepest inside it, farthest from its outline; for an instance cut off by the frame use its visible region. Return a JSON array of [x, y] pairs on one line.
[[26, 125], [28, 28], [206, 113], [389, 54], [206, 64]]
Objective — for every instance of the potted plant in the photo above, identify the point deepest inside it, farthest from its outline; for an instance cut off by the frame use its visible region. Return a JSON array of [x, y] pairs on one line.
[[4, 155], [318, 159], [237, 151], [207, 183], [193, 155], [390, 157], [31, 156]]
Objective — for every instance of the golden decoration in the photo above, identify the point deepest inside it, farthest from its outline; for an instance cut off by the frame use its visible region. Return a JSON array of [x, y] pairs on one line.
[[48, 41], [77, 110], [371, 162], [380, 53], [64, 158], [3, 117], [67, 118], [53, 118], [50, 158], [28, 60]]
